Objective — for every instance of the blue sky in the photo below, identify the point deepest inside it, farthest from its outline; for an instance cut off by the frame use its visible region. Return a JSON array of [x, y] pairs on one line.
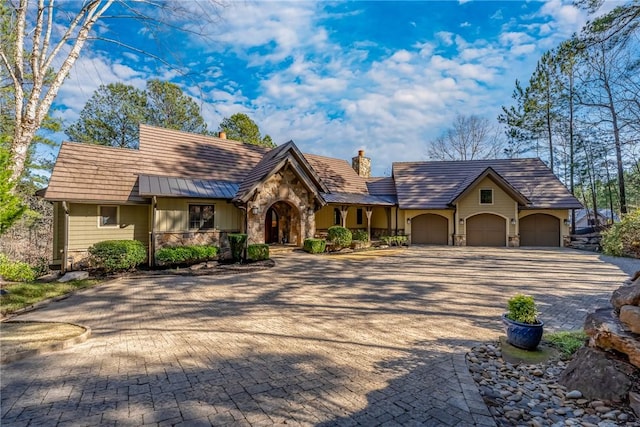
[[335, 77]]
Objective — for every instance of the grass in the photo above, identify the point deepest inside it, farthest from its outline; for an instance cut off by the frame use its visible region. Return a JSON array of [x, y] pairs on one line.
[[568, 342], [25, 294]]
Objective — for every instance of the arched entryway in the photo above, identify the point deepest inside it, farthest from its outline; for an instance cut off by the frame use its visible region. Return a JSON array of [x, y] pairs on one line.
[[282, 224]]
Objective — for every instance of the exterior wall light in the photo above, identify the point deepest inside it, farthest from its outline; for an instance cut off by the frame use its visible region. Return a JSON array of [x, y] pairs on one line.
[[566, 222], [310, 211], [513, 221], [461, 221], [408, 220], [255, 210]]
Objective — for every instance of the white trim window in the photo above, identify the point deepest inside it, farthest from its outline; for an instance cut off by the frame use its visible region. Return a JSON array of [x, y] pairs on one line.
[[201, 217], [108, 216], [486, 196]]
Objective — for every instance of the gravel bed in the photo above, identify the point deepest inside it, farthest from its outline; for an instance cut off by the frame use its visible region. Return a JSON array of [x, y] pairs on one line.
[[529, 395]]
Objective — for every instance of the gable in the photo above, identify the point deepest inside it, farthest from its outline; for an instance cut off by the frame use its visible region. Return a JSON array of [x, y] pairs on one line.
[[501, 199]]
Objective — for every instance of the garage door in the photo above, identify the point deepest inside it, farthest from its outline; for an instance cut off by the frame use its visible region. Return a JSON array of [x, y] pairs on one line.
[[486, 230], [539, 230], [429, 229]]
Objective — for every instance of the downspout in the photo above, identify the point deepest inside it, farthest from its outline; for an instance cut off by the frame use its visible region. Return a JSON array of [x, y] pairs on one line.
[[455, 225], [152, 243], [65, 248]]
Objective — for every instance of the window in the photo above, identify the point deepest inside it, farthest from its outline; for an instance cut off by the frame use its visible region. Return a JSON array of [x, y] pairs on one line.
[[486, 197], [108, 216], [359, 216], [337, 218], [200, 217]]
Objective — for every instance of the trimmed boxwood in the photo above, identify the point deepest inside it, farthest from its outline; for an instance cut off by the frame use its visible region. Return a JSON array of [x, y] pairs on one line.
[[360, 235], [340, 236], [315, 246], [118, 255], [237, 242], [258, 252], [176, 255], [395, 240]]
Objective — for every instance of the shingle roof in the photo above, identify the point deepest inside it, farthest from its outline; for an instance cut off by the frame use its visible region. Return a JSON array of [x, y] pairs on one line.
[[337, 175], [381, 186], [151, 185], [360, 199], [434, 185]]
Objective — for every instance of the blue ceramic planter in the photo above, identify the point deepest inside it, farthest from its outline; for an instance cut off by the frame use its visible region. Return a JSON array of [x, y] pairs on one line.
[[523, 335]]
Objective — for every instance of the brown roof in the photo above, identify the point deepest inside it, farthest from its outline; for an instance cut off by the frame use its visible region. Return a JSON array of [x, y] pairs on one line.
[[436, 185], [337, 175], [98, 173]]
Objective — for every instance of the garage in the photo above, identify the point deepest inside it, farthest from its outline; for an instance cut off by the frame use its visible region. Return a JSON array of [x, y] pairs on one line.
[[486, 230], [429, 229], [540, 230]]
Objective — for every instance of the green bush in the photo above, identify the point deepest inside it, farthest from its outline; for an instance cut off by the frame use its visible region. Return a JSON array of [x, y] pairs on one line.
[[360, 235], [16, 271], [118, 255], [315, 246], [568, 342], [257, 252], [522, 308], [176, 255], [340, 237], [623, 238], [395, 240], [237, 242]]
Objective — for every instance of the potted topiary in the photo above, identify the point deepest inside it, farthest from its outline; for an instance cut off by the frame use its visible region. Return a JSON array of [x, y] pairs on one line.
[[523, 328]]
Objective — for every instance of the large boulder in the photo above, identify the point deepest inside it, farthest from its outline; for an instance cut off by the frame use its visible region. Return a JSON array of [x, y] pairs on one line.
[[599, 376], [630, 316], [607, 332], [626, 295]]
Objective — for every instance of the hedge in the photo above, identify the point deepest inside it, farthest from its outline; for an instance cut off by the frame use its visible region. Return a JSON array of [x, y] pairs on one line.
[[340, 237], [118, 255], [395, 240], [360, 235], [16, 271], [257, 252], [315, 246], [237, 241], [176, 255]]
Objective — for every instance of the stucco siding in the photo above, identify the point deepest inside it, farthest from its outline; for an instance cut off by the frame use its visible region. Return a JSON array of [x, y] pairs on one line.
[[324, 217], [503, 205], [133, 224], [172, 215]]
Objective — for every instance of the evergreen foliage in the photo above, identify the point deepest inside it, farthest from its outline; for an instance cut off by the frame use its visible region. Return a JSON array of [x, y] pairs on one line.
[[258, 252], [179, 255], [118, 255], [315, 246], [240, 127], [237, 243]]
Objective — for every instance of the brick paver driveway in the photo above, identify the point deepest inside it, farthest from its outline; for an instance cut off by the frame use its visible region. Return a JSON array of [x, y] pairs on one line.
[[317, 340]]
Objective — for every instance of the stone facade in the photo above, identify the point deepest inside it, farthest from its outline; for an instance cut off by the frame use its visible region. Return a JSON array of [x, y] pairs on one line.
[[294, 203], [361, 164]]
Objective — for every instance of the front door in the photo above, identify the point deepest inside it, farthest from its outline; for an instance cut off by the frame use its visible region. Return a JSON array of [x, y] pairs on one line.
[[271, 227]]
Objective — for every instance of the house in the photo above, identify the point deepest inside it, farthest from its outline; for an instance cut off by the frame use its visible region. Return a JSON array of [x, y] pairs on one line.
[[586, 219], [181, 188]]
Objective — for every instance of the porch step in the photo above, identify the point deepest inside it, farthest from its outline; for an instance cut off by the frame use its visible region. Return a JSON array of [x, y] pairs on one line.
[[282, 249]]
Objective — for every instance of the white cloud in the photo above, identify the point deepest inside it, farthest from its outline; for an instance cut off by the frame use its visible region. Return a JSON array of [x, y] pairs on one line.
[[465, 24]]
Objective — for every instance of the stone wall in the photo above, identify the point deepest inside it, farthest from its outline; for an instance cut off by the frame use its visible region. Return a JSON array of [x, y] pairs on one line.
[[297, 218]]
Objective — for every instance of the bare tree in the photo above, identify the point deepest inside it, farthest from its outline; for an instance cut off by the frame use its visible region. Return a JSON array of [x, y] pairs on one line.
[[41, 41], [469, 138]]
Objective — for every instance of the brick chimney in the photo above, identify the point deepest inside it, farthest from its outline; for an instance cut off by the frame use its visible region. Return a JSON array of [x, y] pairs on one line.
[[361, 164]]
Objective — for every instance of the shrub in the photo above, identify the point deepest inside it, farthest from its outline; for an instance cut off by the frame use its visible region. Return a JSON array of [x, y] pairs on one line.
[[118, 255], [395, 240], [16, 271], [186, 254], [315, 246], [258, 252], [568, 342], [623, 238], [360, 235], [339, 236], [522, 308], [237, 242]]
